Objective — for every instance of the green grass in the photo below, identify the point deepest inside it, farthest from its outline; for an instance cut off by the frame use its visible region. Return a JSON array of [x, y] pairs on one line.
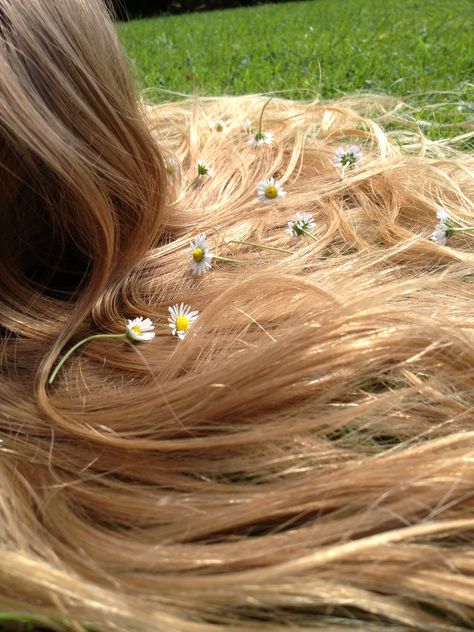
[[420, 49], [18, 622]]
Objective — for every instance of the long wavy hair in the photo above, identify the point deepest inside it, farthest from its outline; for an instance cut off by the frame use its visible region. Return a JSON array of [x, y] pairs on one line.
[[303, 458]]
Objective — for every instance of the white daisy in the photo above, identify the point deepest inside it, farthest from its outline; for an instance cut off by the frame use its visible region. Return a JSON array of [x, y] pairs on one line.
[[443, 228], [247, 125], [442, 215], [347, 156], [180, 319], [270, 190], [140, 329], [171, 167], [301, 223], [261, 138], [218, 125], [200, 257], [203, 169], [439, 235]]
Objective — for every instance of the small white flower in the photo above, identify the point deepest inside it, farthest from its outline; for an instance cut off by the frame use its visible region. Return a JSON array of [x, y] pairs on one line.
[[203, 169], [140, 329], [270, 190], [200, 257], [301, 223], [247, 125], [261, 138], [347, 156], [218, 125], [439, 235], [171, 167], [443, 228], [442, 215], [180, 319]]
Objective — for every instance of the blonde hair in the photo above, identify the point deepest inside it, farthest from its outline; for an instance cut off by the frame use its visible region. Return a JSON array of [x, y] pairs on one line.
[[303, 457]]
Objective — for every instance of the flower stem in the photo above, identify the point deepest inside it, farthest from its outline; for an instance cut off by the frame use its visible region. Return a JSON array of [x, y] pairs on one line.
[[226, 259], [464, 228], [76, 346], [189, 184], [261, 116], [306, 232], [248, 243]]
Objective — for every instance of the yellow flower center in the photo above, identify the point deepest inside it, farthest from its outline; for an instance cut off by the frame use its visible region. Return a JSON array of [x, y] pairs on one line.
[[182, 323], [219, 127], [137, 329], [198, 255], [271, 192], [170, 169]]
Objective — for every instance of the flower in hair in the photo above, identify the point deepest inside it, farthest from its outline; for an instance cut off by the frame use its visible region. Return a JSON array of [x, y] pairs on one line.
[[140, 329], [270, 190], [347, 156], [203, 169], [218, 125], [443, 228], [200, 257], [261, 138], [247, 125], [301, 224], [180, 319], [171, 167]]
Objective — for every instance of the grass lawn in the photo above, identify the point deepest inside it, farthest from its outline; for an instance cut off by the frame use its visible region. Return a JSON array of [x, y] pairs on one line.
[[420, 49]]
